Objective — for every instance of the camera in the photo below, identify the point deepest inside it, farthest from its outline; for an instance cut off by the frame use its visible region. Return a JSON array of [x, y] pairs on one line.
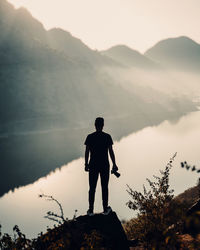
[[114, 171]]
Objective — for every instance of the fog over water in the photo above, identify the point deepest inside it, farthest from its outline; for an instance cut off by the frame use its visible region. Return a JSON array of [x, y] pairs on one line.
[[139, 155]]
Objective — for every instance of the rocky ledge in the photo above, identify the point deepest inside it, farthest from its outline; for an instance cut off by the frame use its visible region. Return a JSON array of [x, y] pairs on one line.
[[86, 232]]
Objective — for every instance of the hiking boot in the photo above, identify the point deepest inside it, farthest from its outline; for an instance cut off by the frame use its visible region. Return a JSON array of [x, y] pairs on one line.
[[90, 212], [107, 210]]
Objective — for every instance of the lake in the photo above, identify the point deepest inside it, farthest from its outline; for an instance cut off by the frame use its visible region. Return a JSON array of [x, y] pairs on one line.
[[139, 156]]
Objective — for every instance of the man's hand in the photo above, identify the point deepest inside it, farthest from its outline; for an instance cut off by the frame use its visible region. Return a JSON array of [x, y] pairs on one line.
[[87, 167], [114, 168], [114, 171]]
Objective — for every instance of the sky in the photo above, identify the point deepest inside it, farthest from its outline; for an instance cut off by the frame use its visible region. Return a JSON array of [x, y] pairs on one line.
[[101, 24]]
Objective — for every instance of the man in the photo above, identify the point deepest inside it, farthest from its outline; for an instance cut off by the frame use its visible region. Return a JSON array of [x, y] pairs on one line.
[[98, 144]]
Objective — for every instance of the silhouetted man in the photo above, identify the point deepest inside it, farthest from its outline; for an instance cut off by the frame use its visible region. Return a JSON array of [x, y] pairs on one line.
[[98, 144]]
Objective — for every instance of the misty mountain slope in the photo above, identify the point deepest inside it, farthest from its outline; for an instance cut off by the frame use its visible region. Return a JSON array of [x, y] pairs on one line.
[[181, 53], [37, 81], [155, 88], [176, 79], [63, 41], [129, 57], [19, 23]]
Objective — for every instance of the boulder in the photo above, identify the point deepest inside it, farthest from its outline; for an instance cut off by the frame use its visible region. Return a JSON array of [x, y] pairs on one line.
[[86, 232]]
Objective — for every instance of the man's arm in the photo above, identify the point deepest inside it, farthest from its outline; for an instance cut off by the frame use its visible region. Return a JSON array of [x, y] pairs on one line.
[[87, 152], [112, 156]]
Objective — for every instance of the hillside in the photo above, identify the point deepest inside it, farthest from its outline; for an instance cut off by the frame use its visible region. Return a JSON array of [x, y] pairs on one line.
[[129, 57], [39, 80], [46, 74], [84, 232], [181, 53], [63, 41], [189, 196]]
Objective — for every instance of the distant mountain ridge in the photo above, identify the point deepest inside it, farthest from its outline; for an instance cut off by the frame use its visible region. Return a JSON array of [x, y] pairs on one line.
[[176, 53], [73, 47], [50, 74], [129, 57], [179, 53], [18, 24], [55, 69]]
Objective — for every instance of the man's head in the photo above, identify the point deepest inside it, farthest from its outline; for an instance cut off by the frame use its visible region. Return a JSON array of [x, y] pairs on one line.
[[99, 123]]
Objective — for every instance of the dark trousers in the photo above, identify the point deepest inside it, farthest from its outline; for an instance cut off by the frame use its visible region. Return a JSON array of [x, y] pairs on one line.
[[93, 178]]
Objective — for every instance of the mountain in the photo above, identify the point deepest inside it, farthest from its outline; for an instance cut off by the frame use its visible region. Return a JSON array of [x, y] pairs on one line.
[[41, 78], [19, 24], [46, 74], [52, 87], [181, 53], [63, 41], [129, 57]]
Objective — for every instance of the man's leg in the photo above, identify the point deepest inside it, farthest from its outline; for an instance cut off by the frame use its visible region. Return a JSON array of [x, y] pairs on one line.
[[104, 173], [93, 177]]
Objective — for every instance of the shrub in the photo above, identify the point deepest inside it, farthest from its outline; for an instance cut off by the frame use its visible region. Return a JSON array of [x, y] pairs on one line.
[[19, 241], [158, 213]]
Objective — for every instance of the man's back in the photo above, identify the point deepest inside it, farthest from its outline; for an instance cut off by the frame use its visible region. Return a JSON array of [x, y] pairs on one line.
[[98, 143], [97, 146]]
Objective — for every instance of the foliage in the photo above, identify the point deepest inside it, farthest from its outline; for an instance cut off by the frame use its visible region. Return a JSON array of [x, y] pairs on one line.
[[193, 168], [158, 213], [53, 216], [19, 241], [94, 240], [66, 235]]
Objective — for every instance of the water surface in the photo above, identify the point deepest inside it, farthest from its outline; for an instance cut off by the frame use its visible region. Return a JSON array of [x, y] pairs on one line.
[[139, 155]]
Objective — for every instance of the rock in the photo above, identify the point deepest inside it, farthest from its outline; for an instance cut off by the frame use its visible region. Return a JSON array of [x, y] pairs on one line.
[[109, 226], [86, 232]]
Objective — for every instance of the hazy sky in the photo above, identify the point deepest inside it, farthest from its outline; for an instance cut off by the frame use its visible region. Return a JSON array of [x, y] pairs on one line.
[[104, 23]]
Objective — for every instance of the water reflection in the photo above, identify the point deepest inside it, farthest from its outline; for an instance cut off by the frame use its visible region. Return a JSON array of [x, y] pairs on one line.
[[139, 155]]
